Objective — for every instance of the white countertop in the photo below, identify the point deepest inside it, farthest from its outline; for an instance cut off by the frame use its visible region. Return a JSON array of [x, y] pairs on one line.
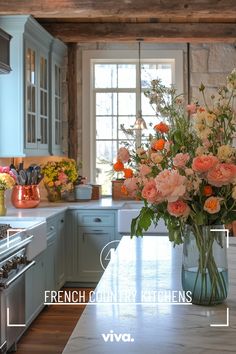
[[46, 209], [141, 267]]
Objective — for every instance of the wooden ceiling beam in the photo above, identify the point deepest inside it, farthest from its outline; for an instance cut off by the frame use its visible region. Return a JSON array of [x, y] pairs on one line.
[[88, 9], [152, 32]]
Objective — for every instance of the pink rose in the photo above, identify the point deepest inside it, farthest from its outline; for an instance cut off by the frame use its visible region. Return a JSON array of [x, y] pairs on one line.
[[204, 163], [222, 174], [178, 208], [131, 186], [191, 108], [144, 170], [171, 185], [123, 155], [150, 192], [4, 169], [180, 160], [62, 177]]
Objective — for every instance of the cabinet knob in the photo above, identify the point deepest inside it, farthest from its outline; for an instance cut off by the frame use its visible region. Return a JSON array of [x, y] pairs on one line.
[[97, 220], [38, 139], [62, 220], [52, 227]]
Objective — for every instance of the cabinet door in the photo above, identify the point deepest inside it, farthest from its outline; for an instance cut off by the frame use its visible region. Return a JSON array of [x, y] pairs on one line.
[[34, 288], [43, 111], [71, 246], [60, 252], [91, 243], [31, 97], [56, 103], [37, 92], [50, 255]]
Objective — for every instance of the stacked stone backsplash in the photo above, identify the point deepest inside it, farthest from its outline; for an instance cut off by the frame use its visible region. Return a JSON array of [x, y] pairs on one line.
[[210, 64]]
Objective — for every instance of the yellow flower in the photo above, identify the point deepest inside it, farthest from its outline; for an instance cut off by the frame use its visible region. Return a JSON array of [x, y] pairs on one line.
[[225, 153]]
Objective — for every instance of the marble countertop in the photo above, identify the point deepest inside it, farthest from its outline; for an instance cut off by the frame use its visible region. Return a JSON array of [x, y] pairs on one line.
[[47, 209], [140, 322]]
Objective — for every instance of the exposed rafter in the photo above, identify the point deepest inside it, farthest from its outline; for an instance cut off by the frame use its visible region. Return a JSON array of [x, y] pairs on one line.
[[176, 32]]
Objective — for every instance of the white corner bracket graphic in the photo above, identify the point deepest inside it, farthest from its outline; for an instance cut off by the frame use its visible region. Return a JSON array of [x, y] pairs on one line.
[[12, 325], [227, 234], [222, 324]]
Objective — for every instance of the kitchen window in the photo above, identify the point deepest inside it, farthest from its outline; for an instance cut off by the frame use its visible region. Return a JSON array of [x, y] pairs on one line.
[[111, 99]]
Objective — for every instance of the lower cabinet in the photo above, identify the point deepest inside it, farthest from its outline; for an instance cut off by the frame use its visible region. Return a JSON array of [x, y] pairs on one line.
[[55, 252], [92, 253], [48, 273], [50, 262], [91, 239], [34, 288]]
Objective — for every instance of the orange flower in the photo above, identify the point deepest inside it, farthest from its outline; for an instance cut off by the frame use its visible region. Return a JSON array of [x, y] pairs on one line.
[[212, 205], [128, 172], [207, 191], [201, 109], [158, 144], [118, 166], [161, 127], [124, 190]]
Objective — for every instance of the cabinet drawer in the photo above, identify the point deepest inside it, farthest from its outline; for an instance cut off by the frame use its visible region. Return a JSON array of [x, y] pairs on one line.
[[96, 219]]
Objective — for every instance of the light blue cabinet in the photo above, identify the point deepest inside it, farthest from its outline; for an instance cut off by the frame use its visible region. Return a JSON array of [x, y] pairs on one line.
[[34, 288], [60, 251], [29, 117], [58, 52], [55, 252], [50, 255], [48, 273], [90, 235], [90, 258]]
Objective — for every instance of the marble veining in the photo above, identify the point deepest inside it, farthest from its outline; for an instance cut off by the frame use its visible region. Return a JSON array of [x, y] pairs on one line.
[[152, 264]]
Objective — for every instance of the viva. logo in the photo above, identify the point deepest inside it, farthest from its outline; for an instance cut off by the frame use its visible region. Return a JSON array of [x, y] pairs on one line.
[[117, 337]]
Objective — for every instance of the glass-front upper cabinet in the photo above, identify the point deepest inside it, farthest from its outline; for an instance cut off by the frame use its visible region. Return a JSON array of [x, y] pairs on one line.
[[57, 62], [30, 95], [43, 97], [37, 92], [57, 105]]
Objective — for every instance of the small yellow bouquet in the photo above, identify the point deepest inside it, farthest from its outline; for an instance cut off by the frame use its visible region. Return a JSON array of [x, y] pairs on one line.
[[60, 176]]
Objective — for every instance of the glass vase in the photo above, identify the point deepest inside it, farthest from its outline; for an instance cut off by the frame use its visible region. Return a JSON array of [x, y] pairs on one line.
[[204, 265], [54, 194], [3, 209]]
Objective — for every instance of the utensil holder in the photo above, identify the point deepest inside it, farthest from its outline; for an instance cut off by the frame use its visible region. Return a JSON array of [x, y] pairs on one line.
[[25, 197]]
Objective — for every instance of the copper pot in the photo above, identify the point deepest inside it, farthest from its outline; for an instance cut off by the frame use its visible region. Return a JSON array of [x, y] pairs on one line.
[[25, 196]]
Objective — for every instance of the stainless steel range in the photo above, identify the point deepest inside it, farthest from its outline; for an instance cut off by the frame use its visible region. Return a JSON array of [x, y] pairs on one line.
[[13, 265]]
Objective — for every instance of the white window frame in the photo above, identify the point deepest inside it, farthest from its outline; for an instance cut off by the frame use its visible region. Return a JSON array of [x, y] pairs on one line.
[[89, 57]]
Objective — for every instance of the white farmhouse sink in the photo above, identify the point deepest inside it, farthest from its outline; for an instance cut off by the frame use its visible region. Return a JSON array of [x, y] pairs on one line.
[[33, 226], [131, 210]]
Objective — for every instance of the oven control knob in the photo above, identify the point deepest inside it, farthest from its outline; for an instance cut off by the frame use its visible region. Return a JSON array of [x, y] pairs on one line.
[[5, 271], [1, 272], [8, 265], [23, 260], [15, 262]]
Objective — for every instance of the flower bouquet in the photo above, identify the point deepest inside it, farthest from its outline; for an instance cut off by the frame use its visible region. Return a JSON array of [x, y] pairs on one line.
[[59, 177], [186, 175], [7, 181]]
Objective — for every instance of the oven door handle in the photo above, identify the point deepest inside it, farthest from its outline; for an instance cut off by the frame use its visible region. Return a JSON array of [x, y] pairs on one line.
[[31, 264]]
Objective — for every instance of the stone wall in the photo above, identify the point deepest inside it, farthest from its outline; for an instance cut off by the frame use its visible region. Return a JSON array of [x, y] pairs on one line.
[[210, 64]]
